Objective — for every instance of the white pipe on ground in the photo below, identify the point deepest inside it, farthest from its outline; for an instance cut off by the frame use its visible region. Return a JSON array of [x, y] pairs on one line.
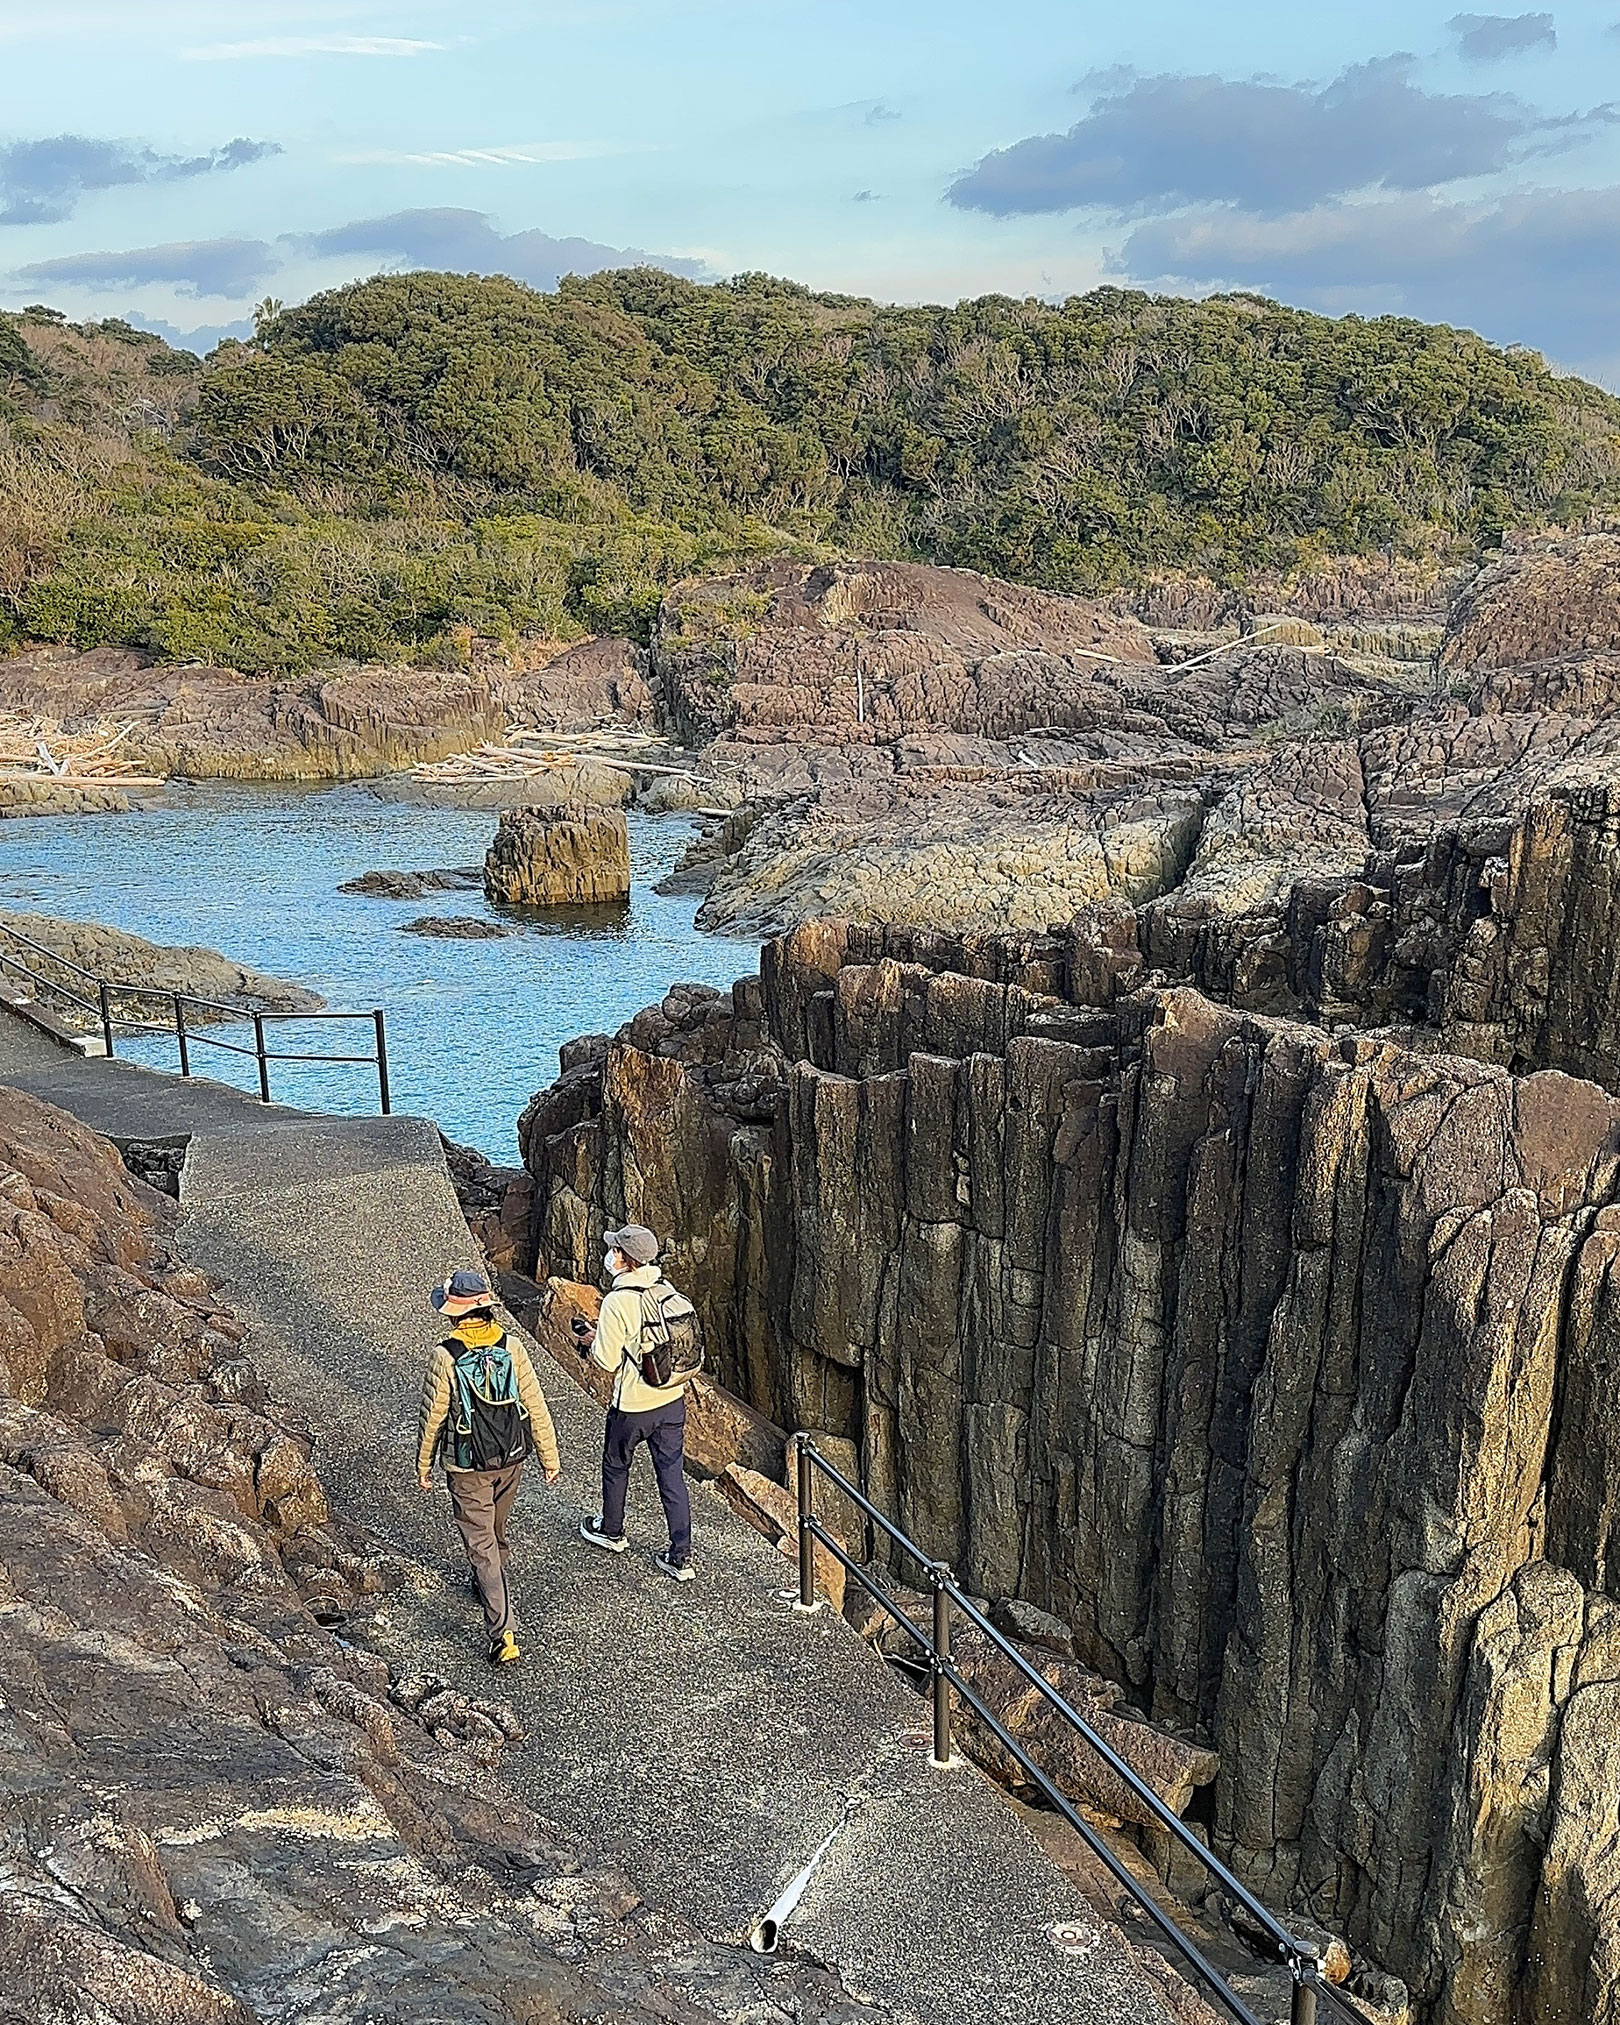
[[768, 1928]]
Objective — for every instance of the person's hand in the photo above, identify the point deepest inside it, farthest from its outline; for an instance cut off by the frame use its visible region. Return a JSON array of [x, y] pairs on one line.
[[425, 1479], [553, 1473]]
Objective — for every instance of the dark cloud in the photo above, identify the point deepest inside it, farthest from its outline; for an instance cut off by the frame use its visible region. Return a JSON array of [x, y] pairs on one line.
[[1161, 141], [1487, 38], [1537, 267], [465, 242], [194, 267], [42, 182]]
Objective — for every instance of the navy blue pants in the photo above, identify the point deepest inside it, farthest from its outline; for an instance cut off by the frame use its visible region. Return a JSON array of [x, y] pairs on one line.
[[663, 1429]]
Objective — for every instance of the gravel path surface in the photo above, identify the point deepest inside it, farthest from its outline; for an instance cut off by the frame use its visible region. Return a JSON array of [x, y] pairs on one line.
[[704, 1737]]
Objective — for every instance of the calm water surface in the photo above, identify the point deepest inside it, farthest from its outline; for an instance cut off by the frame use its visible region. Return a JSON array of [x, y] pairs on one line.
[[473, 1027]]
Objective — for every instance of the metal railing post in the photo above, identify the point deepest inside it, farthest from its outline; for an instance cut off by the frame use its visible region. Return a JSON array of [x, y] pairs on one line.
[[940, 1661], [106, 1018], [382, 1061], [264, 1060], [1302, 2004], [180, 1033], [1313, 1998], [807, 1539]]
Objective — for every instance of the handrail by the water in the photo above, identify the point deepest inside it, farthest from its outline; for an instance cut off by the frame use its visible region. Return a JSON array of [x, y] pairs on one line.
[[101, 1008], [1301, 1959]]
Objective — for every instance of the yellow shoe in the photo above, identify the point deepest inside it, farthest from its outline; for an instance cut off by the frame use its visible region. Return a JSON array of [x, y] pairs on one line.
[[504, 1651]]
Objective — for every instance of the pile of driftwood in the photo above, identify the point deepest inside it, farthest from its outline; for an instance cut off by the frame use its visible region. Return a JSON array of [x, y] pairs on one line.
[[37, 749], [531, 755]]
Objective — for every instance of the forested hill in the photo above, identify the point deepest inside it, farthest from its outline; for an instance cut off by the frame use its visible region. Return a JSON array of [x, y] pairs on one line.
[[409, 463]]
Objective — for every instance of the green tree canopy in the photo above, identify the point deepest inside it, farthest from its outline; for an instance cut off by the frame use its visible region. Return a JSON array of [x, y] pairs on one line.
[[523, 461]]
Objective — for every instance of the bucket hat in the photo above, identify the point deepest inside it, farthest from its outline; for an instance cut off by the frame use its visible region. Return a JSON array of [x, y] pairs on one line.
[[635, 1241], [460, 1293]]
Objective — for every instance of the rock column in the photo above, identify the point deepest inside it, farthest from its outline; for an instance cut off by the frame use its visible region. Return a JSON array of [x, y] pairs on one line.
[[565, 857]]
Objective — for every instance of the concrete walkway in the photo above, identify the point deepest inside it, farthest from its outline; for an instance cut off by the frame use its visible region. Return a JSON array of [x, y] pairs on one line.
[[703, 1737], [121, 1099]]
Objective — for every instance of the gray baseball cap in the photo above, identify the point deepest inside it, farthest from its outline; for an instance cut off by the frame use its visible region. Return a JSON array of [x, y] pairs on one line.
[[635, 1241]]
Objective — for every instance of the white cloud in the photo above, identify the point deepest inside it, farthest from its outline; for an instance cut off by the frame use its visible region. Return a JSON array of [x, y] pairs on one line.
[[192, 267], [309, 45], [1149, 143], [521, 154], [466, 242]]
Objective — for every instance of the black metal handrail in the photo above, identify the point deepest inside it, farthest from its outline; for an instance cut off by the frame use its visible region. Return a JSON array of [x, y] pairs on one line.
[[100, 1008], [1301, 1959]]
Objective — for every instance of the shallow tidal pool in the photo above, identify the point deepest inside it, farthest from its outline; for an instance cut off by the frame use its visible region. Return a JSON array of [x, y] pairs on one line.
[[473, 1026]]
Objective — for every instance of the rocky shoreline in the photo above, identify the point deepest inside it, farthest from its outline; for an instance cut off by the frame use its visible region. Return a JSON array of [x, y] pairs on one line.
[[199, 723], [63, 948]]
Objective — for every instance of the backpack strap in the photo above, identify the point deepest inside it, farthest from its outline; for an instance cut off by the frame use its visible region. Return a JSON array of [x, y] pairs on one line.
[[632, 1356]]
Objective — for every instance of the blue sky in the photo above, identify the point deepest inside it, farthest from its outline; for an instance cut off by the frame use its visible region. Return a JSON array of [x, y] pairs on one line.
[[175, 161]]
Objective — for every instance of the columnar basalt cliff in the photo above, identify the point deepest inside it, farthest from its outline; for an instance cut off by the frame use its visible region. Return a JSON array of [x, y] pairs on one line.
[[1275, 1361], [1227, 1270]]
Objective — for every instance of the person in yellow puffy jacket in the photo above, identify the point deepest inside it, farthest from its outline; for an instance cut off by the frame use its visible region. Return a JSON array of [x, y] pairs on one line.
[[482, 1414]]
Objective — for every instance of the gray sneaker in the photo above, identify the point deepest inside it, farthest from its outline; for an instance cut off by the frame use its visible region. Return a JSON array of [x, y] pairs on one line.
[[610, 1543], [677, 1571]]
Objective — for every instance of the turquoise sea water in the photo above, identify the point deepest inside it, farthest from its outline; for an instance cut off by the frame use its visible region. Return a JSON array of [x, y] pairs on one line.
[[473, 1027]]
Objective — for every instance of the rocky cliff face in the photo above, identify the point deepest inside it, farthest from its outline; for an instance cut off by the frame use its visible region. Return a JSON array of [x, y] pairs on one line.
[[1275, 1361], [213, 723]]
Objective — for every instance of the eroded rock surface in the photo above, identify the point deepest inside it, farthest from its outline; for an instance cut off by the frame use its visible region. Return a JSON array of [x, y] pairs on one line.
[[596, 681], [917, 747], [218, 1811], [931, 746]]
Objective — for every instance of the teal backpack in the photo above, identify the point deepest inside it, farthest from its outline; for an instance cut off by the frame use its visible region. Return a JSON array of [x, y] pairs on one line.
[[488, 1428]]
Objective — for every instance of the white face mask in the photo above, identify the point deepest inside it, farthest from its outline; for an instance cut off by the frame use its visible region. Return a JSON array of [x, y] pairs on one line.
[[607, 1262]]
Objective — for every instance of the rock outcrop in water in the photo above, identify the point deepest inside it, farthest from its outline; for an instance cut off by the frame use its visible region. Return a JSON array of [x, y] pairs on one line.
[[128, 959], [574, 856]]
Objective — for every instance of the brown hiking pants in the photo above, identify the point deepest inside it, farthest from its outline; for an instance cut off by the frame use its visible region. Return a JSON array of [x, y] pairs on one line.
[[481, 1502]]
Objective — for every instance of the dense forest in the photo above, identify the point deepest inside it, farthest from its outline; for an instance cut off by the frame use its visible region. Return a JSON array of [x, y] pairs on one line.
[[412, 464]]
